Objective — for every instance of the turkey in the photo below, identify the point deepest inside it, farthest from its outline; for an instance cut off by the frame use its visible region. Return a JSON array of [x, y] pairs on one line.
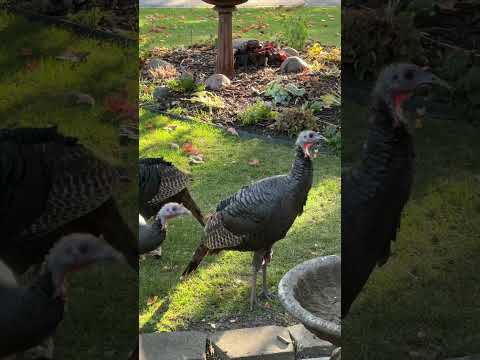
[[30, 314], [52, 186], [260, 214], [375, 192], [152, 236], [161, 183]]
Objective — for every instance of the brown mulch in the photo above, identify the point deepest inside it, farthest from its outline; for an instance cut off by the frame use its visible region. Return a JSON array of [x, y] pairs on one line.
[[246, 88]]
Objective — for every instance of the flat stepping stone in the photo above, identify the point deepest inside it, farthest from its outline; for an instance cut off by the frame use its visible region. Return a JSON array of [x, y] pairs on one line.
[[307, 344], [187, 345], [260, 343]]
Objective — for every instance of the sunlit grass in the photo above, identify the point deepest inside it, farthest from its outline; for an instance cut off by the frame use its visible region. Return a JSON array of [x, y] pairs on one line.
[[220, 287], [183, 27]]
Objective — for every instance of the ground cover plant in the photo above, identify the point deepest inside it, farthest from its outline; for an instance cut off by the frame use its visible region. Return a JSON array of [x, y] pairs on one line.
[[216, 297], [48, 82]]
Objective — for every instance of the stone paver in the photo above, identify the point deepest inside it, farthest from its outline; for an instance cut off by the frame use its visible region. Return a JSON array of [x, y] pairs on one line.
[[189, 345], [307, 344], [261, 343], [250, 3]]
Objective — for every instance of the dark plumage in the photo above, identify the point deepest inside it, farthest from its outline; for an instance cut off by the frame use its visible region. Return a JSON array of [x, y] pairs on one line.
[[52, 186], [30, 314], [160, 183], [375, 192], [260, 214], [151, 236]]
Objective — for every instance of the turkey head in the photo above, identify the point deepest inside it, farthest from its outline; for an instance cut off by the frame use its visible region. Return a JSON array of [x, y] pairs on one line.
[[398, 83], [306, 139], [74, 252], [170, 211]]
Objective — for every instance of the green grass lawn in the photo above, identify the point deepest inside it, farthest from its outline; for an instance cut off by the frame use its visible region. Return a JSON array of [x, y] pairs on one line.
[[423, 303], [99, 319], [220, 288], [183, 27]]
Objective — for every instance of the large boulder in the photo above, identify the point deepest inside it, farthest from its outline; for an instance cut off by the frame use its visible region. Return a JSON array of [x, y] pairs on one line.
[[217, 82], [293, 64]]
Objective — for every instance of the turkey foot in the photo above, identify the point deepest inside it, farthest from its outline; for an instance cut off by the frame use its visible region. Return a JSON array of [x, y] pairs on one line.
[[265, 293]]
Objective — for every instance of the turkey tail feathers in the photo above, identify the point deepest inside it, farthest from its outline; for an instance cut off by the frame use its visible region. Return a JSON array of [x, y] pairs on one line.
[[197, 258]]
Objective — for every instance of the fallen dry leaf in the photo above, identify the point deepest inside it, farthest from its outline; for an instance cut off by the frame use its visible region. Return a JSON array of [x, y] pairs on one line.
[[170, 127], [190, 149], [175, 146], [32, 65], [152, 300], [232, 131], [254, 162], [196, 159]]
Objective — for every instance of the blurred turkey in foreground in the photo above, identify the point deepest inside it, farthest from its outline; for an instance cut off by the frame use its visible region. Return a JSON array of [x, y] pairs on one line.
[[375, 192], [30, 314], [52, 186], [260, 214], [160, 183]]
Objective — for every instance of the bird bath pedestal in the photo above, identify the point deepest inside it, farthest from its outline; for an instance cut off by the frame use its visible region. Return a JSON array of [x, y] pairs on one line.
[[225, 8]]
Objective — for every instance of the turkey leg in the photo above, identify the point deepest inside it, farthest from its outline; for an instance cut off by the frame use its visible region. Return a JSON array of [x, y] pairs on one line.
[[265, 261], [256, 265]]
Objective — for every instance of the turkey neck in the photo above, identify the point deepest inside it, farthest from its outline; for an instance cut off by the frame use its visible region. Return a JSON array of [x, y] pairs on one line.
[[302, 168], [389, 152]]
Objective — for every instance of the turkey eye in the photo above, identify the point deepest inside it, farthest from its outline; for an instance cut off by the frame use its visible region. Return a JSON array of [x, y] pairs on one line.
[[395, 77], [83, 248], [409, 75], [311, 135], [174, 209]]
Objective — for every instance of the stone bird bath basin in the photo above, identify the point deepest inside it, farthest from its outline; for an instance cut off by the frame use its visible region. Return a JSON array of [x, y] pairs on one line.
[[310, 292]]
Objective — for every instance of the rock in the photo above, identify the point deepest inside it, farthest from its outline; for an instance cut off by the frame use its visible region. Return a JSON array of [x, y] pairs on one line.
[[293, 65], [161, 93], [291, 51], [173, 346], [156, 63], [307, 344], [217, 82], [260, 343]]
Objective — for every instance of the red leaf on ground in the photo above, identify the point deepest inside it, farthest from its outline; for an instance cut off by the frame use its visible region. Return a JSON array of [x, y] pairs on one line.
[[190, 149], [120, 105], [254, 162]]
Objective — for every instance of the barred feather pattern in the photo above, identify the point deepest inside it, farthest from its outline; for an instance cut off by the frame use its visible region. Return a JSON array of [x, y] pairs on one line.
[[80, 184], [218, 237], [160, 180]]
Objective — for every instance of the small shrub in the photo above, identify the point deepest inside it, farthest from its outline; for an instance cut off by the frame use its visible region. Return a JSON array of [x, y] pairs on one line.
[[334, 139], [186, 83], [162, 73], [292, 121], [208, 99], [296, 33], [257, 113], [91, 18], [281, 94]]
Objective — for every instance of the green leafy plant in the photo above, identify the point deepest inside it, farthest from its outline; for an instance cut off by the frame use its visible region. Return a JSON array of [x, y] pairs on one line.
[[91, 18], [186, 83], [208, 100], [292, 121], [296, 31], [257, 113], [334, 139], [282, 95]]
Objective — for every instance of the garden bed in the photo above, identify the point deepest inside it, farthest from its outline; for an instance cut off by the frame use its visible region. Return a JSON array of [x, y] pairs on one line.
[[248, 91]]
